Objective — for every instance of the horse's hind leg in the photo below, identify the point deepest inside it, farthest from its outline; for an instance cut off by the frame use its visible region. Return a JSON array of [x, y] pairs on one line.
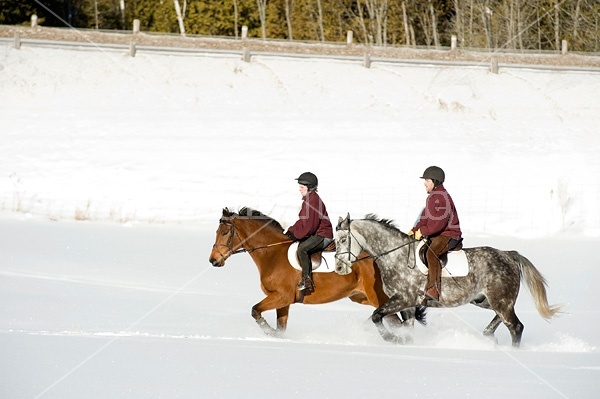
[[512, 322], [482, 302], [516, 329], [491, 328]]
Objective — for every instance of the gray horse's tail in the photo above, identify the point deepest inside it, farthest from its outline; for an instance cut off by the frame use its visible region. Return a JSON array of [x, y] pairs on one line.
[[536, 283]]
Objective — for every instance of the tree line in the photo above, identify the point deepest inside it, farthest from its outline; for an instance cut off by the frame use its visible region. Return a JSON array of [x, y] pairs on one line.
[[490, 24]]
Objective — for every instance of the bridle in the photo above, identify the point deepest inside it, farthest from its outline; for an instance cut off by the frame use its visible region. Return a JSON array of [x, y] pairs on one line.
[[374, 257], [349, 252], [229, 245]]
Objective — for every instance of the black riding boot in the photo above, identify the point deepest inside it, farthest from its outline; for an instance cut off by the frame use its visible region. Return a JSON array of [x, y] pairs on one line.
[[306, 284], [305, 248]]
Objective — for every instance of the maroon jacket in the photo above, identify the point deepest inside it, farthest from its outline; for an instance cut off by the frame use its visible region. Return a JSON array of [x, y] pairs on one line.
[[439, 217], [312, 219]]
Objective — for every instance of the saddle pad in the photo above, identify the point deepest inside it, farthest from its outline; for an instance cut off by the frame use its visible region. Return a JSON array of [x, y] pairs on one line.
[[457, 265], [327, 264]]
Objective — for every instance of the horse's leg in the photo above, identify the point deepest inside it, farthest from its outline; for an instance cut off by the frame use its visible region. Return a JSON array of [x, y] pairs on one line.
[[515, 327], [491, 328], [506, 314], [396, 321], [408, 315], [482, 302], [266, 304], [407, 326], [282, 318], [405, 320], [394, 305]]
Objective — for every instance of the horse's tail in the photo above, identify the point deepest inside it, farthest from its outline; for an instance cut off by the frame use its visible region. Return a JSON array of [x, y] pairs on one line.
[[536, 283]]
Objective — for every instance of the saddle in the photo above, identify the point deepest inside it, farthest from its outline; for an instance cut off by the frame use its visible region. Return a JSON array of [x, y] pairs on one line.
[[454, 262], [326, 255], [453, 245]]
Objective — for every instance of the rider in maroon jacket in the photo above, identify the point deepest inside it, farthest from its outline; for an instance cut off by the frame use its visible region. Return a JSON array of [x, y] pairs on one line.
[[439, 223], [313, 228]]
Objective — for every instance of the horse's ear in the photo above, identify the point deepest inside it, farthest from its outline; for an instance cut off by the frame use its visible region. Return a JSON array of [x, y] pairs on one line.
[[343, 223]]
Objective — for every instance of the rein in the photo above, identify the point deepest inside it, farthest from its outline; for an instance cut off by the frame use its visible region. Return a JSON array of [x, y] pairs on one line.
[[237, 251], [374, 257], [229, 245]]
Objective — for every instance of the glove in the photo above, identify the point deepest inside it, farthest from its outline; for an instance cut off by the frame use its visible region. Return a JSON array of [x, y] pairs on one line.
[[410, 233], [290, 235], [418, 235]]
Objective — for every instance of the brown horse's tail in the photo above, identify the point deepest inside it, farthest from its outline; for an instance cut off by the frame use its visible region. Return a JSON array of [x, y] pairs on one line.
[[536, 283]]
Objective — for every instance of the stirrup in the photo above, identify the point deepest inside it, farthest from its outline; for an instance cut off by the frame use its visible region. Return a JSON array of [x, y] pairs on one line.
[[306, 284], [426, 296]]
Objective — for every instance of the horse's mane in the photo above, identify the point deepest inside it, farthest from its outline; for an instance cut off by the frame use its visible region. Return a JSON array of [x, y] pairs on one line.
[[389, 223], [253, 214]]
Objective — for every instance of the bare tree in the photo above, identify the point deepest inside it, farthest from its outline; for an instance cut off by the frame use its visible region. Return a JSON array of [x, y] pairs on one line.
[[180, 15], [262, 13], [459, 26], [405, 20], [576, 17], [361, 21], [289, 4], [122, 7], [486, 19], [235, 17], [378, 11], [557, 24], [320, 20], [434, 30]]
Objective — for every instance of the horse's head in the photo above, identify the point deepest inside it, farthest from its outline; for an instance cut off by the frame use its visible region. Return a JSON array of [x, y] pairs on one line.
[[348, 247], [227, 241]]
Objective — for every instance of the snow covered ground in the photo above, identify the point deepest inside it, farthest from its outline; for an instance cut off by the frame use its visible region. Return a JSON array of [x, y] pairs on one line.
[[146, 151]]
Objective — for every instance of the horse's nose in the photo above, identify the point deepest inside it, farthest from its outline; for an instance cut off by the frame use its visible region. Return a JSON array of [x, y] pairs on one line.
[[215, 262]]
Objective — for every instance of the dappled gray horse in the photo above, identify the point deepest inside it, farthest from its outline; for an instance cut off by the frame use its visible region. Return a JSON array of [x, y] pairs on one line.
[[492, 282]]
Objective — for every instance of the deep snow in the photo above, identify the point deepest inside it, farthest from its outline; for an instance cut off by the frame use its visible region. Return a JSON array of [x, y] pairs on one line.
[[133, 309]]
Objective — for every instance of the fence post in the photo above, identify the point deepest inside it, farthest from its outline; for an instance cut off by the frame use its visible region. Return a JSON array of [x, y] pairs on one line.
[[132, 49], [564, 47], [136, 26], [34, 21], [17, 40], [244, 32], [246, 56], [367, 63], [349, 38], [453, 41], [494, 65]]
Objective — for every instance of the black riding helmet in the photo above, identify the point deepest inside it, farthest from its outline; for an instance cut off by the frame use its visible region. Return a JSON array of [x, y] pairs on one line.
[[434, 173], [309, 180]]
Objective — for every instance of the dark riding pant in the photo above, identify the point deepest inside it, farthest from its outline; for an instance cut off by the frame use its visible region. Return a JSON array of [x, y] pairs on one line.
[[308, 247], [438, 246]]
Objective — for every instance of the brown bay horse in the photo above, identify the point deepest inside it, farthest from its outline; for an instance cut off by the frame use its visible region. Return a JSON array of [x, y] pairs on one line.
[[263, 239]]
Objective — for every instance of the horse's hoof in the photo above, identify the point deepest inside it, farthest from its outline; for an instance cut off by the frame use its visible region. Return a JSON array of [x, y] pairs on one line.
[[492, 338], [395, 339], [276, 334], [265, 327]]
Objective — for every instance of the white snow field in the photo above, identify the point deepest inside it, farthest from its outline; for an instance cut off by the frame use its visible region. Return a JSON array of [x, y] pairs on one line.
[[114, 171]]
